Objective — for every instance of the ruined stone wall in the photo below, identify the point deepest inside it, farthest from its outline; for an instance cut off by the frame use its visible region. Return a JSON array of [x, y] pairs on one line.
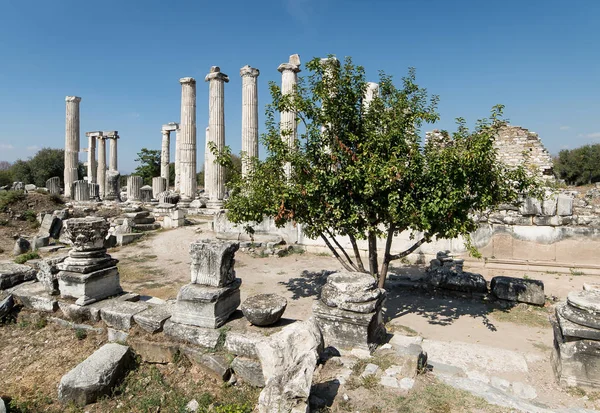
[[518, 146]]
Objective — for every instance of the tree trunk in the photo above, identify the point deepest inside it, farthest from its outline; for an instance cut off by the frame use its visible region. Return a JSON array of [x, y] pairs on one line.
[[359, 262], [386, 258], [373, 265]]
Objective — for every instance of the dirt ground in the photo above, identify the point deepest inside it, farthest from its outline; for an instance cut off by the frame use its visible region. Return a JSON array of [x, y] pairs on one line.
[[159, 266]]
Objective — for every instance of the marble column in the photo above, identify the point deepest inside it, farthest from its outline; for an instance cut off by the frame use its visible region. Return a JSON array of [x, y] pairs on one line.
[[177, 176], [216, 134], [101, 173], [134, 187], [164, 155], [71, 143], [187, 141], [91, 163], [330, 65], [370, 93], [206, 171], [159, 184], [249, 116], [113, 162], [289, 80]]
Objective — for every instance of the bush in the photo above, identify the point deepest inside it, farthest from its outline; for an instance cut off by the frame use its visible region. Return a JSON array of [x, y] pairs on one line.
[[6, 177], [10, 197], [578, 166], [23, 258]]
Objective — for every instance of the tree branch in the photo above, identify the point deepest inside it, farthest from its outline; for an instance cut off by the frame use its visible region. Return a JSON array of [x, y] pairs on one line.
[[359, 262], [335, 254], [408, 251], [343, 250]]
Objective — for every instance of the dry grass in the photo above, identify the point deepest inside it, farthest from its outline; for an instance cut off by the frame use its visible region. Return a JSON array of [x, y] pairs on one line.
[[523, 314]]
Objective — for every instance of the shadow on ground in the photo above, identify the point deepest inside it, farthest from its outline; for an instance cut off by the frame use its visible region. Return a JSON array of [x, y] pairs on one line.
[[404, 298]]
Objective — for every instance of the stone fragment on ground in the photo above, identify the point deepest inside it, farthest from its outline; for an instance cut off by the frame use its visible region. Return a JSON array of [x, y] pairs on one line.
[[204, 337], [264, 309], [33, 295], [21, 246], [47, 273], [217, 364], [120, 314], [243, 344], [2, 406], [153, 319], [12, 274], [248, 370], [289, 359], [370, 369], [518, 289], [95, 376], [6, 304]]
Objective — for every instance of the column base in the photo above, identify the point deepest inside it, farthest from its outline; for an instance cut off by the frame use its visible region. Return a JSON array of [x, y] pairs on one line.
[[215, 204], [184, 202]]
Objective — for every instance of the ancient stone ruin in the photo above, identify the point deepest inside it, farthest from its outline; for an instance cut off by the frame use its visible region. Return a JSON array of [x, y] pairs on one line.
[[214, 293]]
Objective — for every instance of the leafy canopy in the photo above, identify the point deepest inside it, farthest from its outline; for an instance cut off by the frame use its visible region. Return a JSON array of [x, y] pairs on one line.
[[149, 164], [360, 169]]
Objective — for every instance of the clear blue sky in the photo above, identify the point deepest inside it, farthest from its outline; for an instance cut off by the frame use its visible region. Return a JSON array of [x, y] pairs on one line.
[[540, 58]]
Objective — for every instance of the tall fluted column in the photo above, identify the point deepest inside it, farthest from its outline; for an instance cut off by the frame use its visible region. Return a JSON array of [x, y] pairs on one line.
[[164, 155], [71, 143], [113, 162], [207, 179], [91, 164], [289, 80], [187, 144], [216, 134], [101, 174], [177, 157], [249, 116], [371, 92]]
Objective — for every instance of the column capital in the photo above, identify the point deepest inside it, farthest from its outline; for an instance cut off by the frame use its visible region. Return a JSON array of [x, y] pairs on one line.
[[73, 99], [248, 71], [111, 134], [293, 64], [187, 80], [216, 74], [171, 126]]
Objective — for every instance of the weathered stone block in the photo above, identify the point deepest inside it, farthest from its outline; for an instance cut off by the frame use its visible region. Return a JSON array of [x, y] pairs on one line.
[[120, 314], [576, 362], [34, 296], [264, 309], [21, 246], [205, 306], [47, 273], [215, 363], [572, 330], [91, 287], [96, 375], [465, 282], [204, 337], [549, 206], [12, 274], [153, 319], [249, 370], [6, 304], [213, 262], [242, 344], [518, 289], [345, 329], [152, 351], [51, 226], [564, 206], [531, 206]]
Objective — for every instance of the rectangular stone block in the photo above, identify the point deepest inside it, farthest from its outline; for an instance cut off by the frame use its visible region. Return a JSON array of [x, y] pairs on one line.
[[213, 262], [153, 319], [204, 306], [344, 329], [564, 206], [576, 362], [87, 288], [242, 344], [34, 296], [519, 290], [531, 206], [549, 206], [154, 352], [12, 274], [120, 314], [204, 337]]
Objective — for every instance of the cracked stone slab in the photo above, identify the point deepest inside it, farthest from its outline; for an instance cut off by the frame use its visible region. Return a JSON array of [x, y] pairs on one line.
[[120, 314], [153, 319]]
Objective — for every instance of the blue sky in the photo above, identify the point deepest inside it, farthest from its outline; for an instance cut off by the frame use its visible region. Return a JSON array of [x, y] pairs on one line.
[[540, 58]]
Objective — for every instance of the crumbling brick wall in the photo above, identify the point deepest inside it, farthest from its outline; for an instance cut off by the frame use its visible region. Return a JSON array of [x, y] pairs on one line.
[[519, 146]]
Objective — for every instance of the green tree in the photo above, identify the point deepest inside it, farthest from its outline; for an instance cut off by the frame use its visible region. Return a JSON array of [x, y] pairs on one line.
[[45, 164], [578, 166], [149, 164], [361, 170]]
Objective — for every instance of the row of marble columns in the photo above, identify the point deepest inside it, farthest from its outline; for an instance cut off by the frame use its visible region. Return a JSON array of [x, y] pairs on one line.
[[96, 169]]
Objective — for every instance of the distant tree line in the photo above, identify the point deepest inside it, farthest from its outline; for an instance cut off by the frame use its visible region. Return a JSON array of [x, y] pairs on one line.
[[578, 166], [45, 164]]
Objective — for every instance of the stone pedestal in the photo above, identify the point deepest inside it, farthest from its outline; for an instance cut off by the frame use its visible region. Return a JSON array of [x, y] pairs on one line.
[[249, 116], [159, 185], [113, 186], [89, 274], [146, 193], [134, 185], [576, 355], [53, 185], [80, 191], [349, 311], [71, 143], [213, 294], [216, 133]]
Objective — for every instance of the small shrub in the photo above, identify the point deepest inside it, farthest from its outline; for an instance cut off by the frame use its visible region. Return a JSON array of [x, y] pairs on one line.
[[41, 323], [57, 199], [29, 215], [80, 334], [23, 258], [10, 197]]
